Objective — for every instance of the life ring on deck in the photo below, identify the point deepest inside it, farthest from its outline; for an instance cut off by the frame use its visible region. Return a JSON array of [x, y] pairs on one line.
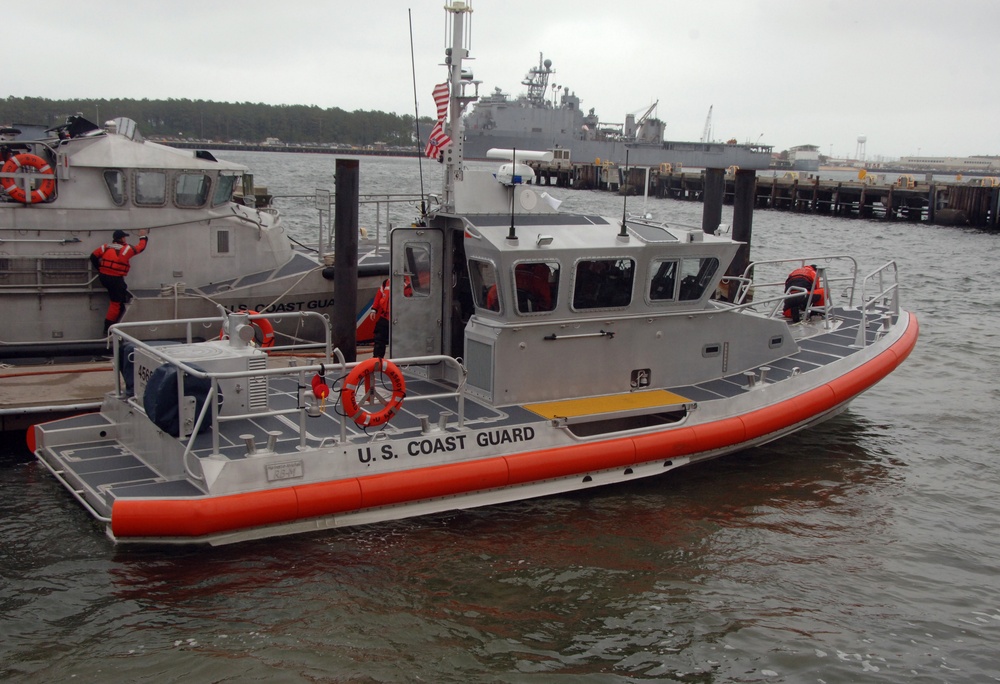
[[16, 192], [364, 373], [262, 325]]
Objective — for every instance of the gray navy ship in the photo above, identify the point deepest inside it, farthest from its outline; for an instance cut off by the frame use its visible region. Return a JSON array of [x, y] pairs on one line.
[[536, 121]]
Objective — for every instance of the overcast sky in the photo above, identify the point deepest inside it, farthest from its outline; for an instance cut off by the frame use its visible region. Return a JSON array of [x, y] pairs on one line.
[[913, 76]]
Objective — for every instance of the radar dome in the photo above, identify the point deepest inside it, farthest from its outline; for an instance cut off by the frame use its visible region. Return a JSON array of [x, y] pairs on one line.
[[547, 64]]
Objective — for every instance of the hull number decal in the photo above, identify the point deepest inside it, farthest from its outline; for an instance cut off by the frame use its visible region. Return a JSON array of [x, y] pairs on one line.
[[288, 470]]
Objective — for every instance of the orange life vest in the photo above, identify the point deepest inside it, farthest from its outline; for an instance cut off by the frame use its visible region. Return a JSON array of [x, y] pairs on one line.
[[113, 259], [805, 272], [381, 302], [805, 277]]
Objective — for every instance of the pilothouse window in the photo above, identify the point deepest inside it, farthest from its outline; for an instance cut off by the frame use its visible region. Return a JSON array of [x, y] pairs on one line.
[[484, 284], [115, 180], [663, 280], [696, 274], [150, 188], [191, 189], [224, 186], [603, 283], [536, 285]]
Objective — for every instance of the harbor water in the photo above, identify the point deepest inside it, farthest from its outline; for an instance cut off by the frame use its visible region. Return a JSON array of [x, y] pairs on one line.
[[864, 550]]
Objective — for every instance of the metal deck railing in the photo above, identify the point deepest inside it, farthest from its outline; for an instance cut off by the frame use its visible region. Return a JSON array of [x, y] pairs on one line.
[[333, 360]]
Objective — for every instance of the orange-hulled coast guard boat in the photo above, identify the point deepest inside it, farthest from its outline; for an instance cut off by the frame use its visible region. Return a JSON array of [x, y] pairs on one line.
[[533, 352]]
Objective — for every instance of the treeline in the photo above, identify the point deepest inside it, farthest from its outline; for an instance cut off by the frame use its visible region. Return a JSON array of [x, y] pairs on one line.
[[221, 121]]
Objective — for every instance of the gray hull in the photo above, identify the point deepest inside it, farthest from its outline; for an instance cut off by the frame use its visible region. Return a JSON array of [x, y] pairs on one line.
[[687, 154]]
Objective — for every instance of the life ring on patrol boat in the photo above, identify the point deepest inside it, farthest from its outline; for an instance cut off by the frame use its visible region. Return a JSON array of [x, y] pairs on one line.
[[365, 373], [16, 192], [261, 324]]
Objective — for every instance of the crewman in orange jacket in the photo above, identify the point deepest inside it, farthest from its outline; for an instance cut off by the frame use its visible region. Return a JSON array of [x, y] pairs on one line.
[[380, 312], [802, 278], [112, 264]]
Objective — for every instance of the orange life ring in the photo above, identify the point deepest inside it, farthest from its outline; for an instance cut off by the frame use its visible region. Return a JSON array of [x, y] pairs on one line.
[[266, 329], [39, 194], [364, 373], [258, 321]]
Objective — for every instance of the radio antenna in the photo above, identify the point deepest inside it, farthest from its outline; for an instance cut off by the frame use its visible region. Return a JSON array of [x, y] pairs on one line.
[[416, 118]]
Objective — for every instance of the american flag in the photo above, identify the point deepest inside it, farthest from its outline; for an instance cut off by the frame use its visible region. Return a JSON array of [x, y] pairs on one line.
[[437, 140]]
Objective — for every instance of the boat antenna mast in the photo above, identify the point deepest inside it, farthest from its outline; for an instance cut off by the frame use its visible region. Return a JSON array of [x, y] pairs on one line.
[[458, 78], [416, 119]]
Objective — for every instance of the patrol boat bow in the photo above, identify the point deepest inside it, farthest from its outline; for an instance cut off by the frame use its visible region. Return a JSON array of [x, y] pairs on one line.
[[532, 353]]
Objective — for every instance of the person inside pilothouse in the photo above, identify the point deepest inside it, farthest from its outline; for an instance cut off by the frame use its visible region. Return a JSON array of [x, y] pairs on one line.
[[534, 293]]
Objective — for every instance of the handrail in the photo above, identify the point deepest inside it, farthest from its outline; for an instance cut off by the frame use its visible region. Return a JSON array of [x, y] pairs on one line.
[[750, 283], [212, 405], [210, 409], [75, 492], [119, 332], [887, 296]]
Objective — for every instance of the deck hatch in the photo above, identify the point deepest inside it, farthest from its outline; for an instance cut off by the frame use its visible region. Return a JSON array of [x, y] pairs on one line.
[[612, 404]]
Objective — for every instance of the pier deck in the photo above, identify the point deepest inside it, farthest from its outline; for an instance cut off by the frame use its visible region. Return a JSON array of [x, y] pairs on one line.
[[38, 393], [948, 203], [29, 394]]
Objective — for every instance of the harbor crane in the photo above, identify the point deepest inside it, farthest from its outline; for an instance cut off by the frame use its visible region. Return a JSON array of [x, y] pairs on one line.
[[706, 135], [650, 110]]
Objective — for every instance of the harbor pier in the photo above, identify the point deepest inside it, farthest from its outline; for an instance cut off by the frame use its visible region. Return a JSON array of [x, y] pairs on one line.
[[975, 203]]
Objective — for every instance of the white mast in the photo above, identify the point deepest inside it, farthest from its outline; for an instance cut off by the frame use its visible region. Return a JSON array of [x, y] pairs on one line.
[[453, 154]]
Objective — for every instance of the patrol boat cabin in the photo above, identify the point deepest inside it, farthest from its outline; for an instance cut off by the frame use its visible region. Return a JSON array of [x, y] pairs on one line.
[[542, 305]]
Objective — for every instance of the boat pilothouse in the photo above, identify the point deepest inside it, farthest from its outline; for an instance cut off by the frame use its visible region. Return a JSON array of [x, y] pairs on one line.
[[532, 352], [535, 292], [64, 191]]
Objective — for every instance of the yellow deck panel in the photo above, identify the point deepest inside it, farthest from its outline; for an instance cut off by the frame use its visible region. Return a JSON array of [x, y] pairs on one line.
[[589, 406]]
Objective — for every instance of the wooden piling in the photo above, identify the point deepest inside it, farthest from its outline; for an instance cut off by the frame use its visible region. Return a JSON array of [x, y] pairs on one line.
[[715, 186], [743, 193], [345, 264]]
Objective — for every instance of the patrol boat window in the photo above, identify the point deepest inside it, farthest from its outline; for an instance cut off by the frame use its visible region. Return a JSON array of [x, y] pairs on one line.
[[115, 180], [418, 271], [696, 274], [603, 283], [663, 281], [150, 188], [536, 285], [224, 186], [484, 284], [191, 189]]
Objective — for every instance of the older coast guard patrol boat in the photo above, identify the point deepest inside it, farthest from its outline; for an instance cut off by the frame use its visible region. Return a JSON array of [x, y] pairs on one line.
[[533, 352], [64, 191]]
